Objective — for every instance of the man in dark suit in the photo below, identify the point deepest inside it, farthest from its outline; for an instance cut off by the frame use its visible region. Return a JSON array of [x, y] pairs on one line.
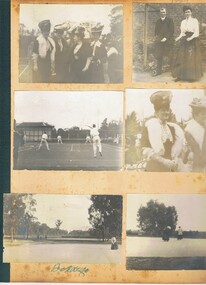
[[164, 30]]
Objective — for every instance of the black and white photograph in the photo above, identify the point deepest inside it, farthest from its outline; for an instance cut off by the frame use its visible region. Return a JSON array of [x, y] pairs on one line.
[[165, 130], [85, 229], [71, 43], [166, 232], [169, 42], [59, 130]]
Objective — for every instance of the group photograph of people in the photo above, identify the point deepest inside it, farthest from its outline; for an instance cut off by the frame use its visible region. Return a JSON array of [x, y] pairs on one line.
[[56, 46], [169, 42], [165, 130]]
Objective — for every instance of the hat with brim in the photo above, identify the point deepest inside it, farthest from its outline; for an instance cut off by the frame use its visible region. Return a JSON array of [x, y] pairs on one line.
[[97, 28], [59, 29], [198, 103], [161, 99], [45, 26]]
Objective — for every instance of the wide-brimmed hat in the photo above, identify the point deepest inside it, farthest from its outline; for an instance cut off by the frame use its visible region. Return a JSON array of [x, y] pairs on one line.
[[97, 28], [45, 25], [161, 99], [198, 103], [59, 28]]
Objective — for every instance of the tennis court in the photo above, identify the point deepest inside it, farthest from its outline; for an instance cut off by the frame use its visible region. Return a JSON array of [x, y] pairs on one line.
[[69, 156]]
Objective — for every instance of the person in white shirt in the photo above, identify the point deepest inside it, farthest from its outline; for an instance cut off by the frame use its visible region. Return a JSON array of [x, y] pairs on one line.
[[94, 133], [59, 139], [195, 134], [179, 233], [44, 139], [187, 64]]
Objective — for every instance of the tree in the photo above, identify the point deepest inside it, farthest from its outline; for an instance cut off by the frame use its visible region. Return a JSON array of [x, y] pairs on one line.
[[58, 224], [29, 212], [14, 210], [105, 215], [155, 216]]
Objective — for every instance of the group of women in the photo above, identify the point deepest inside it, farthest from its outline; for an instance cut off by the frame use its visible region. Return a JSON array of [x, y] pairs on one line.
[[73, 60], [166, 146]]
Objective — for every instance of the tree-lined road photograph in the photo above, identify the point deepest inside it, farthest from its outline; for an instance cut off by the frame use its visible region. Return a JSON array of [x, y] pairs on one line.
[[62, 228]]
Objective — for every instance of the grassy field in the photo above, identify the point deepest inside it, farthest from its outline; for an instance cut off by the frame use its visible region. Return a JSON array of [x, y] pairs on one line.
[[69, 156], [56, 251], [148, 253]]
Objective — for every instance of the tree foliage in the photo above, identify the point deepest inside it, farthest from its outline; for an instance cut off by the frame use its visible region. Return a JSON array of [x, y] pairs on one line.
[[105, 215], [155, 216]]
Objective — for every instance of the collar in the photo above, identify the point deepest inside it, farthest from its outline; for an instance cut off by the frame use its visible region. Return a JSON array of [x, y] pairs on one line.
[[97, 43]]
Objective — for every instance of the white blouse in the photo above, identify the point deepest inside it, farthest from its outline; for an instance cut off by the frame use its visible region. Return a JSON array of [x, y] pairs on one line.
[[190, 25]]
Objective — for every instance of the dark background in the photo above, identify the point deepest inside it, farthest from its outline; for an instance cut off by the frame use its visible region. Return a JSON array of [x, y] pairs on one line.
[[4, 122]]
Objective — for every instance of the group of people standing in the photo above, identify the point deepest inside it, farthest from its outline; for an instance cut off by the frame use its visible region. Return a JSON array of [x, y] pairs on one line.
[[167, 146], [167, 233], [184, 56], [74, 60]]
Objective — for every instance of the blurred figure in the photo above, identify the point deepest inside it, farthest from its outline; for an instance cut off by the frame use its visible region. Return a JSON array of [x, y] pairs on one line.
[[113, 60], [61, 55], [164, 30], [166, 234], [80, 58], [94, 133], [98, 66], [59, 139], [195, 133], [188, 64], [179, 233], [88, 139], [44, 140], [17, 144], [43, 56], [114, 245]]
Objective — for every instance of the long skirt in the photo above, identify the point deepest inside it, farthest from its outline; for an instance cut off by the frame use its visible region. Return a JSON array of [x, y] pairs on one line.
[[187, 64]]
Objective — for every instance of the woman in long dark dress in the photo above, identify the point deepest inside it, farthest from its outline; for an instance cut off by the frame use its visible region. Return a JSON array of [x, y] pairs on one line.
[[187, 61], [80, 58]]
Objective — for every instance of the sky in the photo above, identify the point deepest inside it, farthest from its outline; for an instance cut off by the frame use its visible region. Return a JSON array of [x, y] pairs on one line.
[[191, 209], [138, 100], [71, 209], [67, 109], [32, 14]]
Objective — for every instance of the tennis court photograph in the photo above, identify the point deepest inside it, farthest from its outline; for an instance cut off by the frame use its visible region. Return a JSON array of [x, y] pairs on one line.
[[37, 229], [166, 232], [68, 130]]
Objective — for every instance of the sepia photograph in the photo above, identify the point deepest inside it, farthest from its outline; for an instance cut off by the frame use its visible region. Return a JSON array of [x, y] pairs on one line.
[[60, 130], [84, 229], [67, 43], [166, 232], [169, 42], [165, 130]]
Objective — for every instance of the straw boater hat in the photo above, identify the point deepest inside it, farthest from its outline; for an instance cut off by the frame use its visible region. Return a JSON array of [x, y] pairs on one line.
[[45, 26], [161, 99]]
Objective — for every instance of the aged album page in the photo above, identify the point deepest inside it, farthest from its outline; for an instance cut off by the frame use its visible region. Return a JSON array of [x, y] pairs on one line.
[[108, 142]]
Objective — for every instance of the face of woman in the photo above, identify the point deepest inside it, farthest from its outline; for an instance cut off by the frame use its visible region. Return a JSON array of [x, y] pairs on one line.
[[163, 114], [188, 13], [77, 39], [45, 34]]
